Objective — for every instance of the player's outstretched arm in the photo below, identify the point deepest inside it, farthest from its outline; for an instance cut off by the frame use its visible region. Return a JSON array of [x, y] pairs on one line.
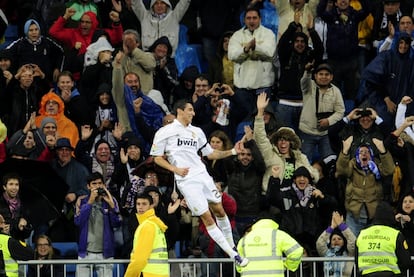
[[217, 154]]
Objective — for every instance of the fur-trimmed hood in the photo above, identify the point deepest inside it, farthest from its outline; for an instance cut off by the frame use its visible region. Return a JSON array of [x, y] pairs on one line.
[[289, 134]]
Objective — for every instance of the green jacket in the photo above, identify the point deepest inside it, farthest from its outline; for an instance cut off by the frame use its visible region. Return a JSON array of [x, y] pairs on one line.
[[361, 187]]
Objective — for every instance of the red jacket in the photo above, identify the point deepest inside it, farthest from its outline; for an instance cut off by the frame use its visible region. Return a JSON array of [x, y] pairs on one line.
[[230, 207], [3, 151], [69, 36]]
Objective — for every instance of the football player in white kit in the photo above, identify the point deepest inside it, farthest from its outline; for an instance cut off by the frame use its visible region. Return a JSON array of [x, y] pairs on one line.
[[180, 143]]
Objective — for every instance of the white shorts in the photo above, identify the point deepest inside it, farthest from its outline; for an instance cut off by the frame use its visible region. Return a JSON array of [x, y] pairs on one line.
[[198, 192]]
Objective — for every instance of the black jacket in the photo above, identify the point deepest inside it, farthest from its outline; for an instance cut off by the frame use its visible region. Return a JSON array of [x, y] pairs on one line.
[[292, 63], [245, 182]]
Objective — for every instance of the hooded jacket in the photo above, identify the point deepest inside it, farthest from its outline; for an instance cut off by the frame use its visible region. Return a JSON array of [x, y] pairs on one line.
[[69, 36], [65, 127], [45, 52], [363, 188], [292, 63], [272, 156], [388, 74], [143, 244], [154, 26]]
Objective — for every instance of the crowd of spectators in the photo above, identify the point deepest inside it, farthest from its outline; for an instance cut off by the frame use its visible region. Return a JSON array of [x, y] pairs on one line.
[[323, 107]]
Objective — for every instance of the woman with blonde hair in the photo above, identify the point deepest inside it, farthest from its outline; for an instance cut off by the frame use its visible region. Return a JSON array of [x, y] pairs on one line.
[[44, 251]]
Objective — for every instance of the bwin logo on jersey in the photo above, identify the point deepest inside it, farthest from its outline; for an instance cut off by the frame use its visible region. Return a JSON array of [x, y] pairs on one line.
[[186, 142]]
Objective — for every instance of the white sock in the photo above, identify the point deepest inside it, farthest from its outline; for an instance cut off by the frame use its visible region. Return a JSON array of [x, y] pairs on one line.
[[224, 224], [217, 235]]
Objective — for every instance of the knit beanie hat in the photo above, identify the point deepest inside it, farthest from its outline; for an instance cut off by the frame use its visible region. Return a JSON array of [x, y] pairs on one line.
[[133, 140], [99, 142], [47, 120], [302, 171]]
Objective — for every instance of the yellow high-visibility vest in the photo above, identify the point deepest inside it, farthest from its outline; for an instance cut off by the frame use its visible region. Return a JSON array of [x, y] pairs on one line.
[[264, 247], [158, 260], [376, 249], [12, 268]]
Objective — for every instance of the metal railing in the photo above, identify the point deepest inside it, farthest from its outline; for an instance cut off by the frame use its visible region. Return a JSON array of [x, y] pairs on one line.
[[192, 267]]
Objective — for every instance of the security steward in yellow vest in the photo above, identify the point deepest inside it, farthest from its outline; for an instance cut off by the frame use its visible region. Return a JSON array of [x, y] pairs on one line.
[[149, 254], [382, 251], [13, 250], [264, 246]]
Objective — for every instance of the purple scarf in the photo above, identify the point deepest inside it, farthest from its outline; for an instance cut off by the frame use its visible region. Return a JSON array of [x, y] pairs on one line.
[[14, 204]]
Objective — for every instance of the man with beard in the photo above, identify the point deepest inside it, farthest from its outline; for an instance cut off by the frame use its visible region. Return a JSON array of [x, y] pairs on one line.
[[133, 59], [137, 112], [365, 173], [244, 181]]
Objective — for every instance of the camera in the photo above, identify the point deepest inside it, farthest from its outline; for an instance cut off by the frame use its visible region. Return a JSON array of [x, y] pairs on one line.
[[101, 192], [323, 115], [364, 112]]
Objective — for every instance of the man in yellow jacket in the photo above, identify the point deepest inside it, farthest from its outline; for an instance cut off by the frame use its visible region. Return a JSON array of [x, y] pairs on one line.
[[264, 246], [149, 254]]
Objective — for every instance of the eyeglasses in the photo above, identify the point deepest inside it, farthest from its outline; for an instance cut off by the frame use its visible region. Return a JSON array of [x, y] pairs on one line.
[[282, 139], [151, 177]]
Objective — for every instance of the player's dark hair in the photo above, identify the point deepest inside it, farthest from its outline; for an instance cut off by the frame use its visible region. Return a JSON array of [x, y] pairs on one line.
[[144, 196], [180, 104]]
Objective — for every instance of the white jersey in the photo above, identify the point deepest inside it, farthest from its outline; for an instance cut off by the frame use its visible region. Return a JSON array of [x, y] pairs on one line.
[[181, 143]]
